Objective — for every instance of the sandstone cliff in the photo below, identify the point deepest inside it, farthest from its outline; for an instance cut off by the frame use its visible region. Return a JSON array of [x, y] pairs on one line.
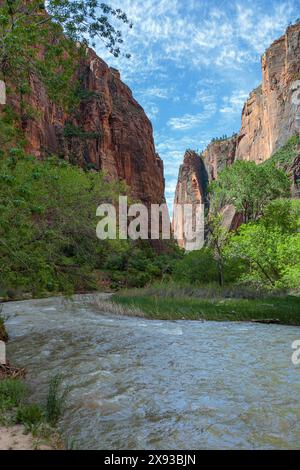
[[109, 132], [272, 112], [270, 117], [191, 189]]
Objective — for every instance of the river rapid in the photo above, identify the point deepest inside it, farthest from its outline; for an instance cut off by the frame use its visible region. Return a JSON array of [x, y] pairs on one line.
[[144, 384]]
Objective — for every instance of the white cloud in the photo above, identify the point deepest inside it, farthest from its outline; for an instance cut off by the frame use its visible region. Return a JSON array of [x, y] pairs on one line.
[[225, 37], [156, 92], [190, 121]]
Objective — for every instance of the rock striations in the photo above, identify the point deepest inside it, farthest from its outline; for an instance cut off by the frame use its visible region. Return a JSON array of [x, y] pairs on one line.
[[270, 117]]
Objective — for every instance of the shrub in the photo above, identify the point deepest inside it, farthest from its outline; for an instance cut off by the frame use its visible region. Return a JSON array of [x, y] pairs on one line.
[[285, 155], [197, 267], [249, 187], [48, 225]]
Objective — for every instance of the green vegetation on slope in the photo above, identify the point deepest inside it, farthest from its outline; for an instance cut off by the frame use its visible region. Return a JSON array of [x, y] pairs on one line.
[[286, 154], [48, 224], [249, 187]]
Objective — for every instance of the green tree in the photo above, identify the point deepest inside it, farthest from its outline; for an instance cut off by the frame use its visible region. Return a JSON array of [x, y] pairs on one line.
[[49, 243], [249, 187], [217, 239], [271, 246]]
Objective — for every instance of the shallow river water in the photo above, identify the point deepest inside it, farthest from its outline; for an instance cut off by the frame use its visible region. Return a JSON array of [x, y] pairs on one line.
[[142, 384]]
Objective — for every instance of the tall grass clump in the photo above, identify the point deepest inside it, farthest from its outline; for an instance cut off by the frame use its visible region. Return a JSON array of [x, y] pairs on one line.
[[56, 400]]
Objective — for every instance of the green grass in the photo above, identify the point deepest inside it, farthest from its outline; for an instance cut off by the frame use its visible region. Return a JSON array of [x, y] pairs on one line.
[[180, 306], [12, 392], [31, 416], [38, 419], [56, 400]]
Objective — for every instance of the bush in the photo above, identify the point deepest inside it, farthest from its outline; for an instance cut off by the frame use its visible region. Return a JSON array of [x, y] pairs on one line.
[[200, 268], [197, 267], [48, 237], [249, 187], [286, 154], [137, 264], [270, 247]]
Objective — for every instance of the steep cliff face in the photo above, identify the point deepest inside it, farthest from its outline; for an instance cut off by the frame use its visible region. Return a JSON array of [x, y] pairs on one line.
[[270, 117], [218, 155], [272, 112], [109, 132], [191, 189]]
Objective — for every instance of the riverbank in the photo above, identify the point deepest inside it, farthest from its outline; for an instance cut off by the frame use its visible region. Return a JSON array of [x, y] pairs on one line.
[[177, 304], [16, 438], [25, 425]]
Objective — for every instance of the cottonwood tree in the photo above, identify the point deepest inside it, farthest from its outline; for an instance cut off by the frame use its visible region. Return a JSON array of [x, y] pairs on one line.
[[271, 246], [249, 187]]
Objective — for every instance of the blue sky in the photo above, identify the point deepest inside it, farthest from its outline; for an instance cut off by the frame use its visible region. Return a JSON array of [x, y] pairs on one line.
[[193, 64]]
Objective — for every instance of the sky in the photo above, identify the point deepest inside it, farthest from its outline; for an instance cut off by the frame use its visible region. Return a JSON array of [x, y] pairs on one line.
[[193, 64]]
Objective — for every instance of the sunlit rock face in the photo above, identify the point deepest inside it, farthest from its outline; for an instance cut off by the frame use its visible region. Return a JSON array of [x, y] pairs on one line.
[[218, 155], [272, 113], [270, 116], [110, 132]]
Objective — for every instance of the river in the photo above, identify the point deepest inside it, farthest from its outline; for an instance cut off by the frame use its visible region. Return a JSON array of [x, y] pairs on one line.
[[144, 384]]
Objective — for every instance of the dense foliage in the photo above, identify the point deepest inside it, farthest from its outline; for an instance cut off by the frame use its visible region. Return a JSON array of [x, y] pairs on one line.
[[47, 231], [249, 187], [270, 247], [48, 237]]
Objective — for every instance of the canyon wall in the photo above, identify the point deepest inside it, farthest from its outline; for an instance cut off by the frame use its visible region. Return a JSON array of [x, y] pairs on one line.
[[109, 132], [270, 117], [191, 189]]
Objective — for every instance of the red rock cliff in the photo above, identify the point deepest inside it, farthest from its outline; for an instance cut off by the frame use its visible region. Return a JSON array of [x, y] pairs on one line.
[[272, 112], [111, 131]]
